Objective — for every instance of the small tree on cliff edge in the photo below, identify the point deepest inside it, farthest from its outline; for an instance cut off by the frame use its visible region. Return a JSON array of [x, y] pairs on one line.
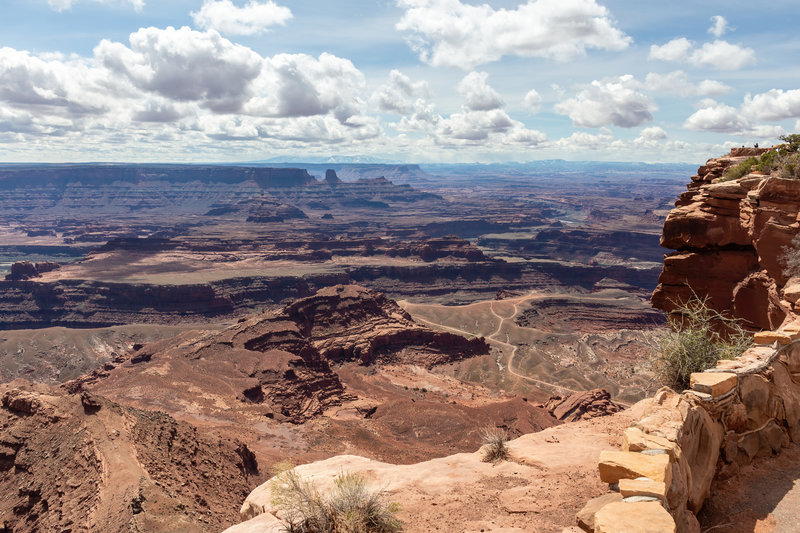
[[695, 343]]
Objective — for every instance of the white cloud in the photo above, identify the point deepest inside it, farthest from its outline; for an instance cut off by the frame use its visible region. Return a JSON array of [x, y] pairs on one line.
[[712, 88], [719, 54], [581, 141], [677, 82], [181, 84], [298, 85], [185, 65], [63, 5], [718, 26], [479, 95], [775, 104], [653, 133], [652, 138], [451, 33], [533, 101], [397, 95], [723, 55], [718, 117], [616, 101], [255, 17], [674, 50]]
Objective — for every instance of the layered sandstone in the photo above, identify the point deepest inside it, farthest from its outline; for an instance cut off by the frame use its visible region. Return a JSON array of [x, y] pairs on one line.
[[729, 238], [83, 463], [278, 365]]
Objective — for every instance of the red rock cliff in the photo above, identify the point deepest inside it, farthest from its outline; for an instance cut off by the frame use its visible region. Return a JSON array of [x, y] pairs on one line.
[[729, 238]]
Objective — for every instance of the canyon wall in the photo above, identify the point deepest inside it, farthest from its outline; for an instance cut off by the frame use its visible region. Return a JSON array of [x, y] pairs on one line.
[[729, 238]]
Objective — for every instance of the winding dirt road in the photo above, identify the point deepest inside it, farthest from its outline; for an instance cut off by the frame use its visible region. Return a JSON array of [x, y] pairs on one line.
[[504, 345]]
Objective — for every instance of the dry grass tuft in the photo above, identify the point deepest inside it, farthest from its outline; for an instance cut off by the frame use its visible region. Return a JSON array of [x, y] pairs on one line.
[[350, 507], [495, 439]]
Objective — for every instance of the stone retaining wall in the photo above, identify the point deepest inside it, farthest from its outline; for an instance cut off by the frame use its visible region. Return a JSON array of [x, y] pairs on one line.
[[744, 408]]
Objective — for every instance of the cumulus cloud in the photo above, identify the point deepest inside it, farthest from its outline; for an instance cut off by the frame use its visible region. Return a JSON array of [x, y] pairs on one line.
[[62, 5], [718, 26], [180, 82], [299, 85], [451, 33], [255, 17], [397, 96], [718, 54], [677, 82], [185, 65], [723, 55], [532, 101], [718, 117], [674, 50], [582, 141], [616, 101], [750, 117], [653, 133], [775, 104], [479, 95]]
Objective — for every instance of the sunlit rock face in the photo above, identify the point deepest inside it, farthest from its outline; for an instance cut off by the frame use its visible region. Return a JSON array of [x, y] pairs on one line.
[[729, 238]]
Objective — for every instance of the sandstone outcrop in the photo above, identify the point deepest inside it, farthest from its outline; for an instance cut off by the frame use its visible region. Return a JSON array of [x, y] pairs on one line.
[[83, 463], [24, 270], [582, 405], [730, 237], [280, 364], [539, 488]]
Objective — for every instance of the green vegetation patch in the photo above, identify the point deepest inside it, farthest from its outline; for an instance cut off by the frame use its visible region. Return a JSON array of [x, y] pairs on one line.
[[782, 160]]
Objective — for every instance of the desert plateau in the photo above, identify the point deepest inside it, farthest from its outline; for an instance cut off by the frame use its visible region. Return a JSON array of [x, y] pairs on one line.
[[513, 266]]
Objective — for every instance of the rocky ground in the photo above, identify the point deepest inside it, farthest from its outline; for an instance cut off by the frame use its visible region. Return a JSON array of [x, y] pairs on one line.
[[83, 463], [546, 480]]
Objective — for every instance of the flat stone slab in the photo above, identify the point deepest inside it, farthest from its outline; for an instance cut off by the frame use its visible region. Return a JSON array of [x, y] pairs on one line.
[[615, 465], [642, 487], [636, 440], [771, 337], [585, 516], [633, 517], [713, 383]]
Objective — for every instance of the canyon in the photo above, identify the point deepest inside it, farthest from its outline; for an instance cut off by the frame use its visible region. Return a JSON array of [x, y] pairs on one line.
[[243, 316]]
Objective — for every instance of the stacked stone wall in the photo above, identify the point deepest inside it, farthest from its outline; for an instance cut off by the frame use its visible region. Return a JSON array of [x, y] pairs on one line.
[[744, 408]]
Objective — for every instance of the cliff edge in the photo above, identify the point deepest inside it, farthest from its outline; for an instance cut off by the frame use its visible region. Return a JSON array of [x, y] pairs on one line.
[[729, 237]]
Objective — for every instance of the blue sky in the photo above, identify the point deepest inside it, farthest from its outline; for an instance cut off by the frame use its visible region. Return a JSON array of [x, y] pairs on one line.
[[394, 80]]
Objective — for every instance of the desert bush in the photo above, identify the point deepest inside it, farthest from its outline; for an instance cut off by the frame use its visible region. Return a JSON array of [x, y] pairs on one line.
[[782, 160], [695, 342], [350, 507], [791, 258], [789, 166], [742, 169], [495, 440]]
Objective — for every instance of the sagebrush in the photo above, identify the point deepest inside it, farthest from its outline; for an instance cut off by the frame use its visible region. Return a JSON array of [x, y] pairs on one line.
[[350, 507], [699, 338]]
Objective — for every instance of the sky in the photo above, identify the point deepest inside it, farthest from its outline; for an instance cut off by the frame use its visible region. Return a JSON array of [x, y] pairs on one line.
[[418, 81]]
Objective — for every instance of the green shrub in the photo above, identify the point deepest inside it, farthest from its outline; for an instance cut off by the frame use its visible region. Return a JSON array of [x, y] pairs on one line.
[[792, 141], [495, 440], [350, 507], [740, 170], [695, 343], [782, 160]]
